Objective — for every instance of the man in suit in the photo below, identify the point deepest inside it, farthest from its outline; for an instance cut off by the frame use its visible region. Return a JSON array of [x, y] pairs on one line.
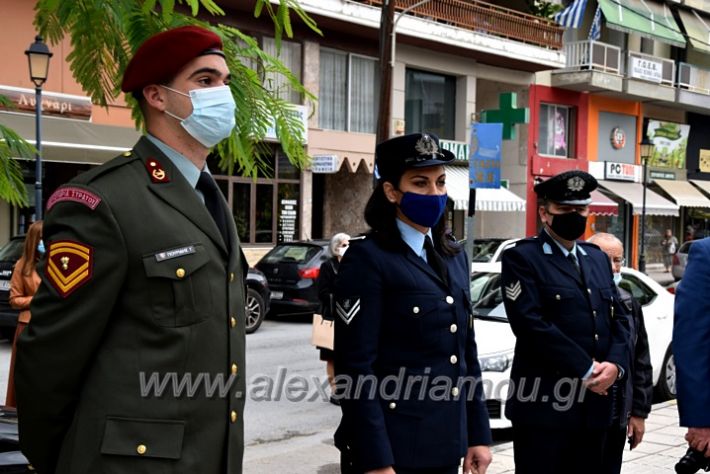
[[691, 347], [571, 331], [143, 288]]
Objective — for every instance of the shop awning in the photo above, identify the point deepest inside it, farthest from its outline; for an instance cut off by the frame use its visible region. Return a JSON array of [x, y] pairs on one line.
[[73, 141], [683, 193], [499, 199], [656, 205], [602, 205], [702, 185], [698, 29], [647, 18]]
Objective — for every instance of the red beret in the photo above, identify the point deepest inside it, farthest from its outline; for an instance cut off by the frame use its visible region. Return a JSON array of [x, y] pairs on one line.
[[162, 56]]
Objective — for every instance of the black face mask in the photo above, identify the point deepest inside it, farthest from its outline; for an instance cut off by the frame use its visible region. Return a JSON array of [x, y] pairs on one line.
[[569, 226]]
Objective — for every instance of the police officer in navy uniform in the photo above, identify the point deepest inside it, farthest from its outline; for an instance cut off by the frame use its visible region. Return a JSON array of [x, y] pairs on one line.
[[571, 333], [143, 278], [406, 364]]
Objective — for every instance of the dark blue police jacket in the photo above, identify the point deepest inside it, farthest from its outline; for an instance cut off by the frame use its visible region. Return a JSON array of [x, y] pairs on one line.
[[691, 338], [562, 322], [406, 335]]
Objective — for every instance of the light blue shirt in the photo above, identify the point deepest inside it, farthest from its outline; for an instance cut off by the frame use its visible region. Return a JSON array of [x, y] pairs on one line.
[[186, 167], [413, 238]]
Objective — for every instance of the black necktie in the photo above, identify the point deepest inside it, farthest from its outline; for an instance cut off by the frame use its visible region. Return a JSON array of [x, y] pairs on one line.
[[213, 202], [573, 260], [434, 259]]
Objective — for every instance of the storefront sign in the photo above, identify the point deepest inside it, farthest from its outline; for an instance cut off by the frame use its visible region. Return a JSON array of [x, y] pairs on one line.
[[288, 216], [618, 138], [670, 142], [324, 164], [59, 105], [619, 171], [459, 149], [646, 69], [704, 161], [298, 111], [484, 163], [661, 175]]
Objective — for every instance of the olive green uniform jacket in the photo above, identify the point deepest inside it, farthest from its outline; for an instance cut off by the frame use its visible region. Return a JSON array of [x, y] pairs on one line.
[[158, 308]]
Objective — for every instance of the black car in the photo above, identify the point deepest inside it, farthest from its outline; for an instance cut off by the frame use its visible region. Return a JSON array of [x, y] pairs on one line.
[[292, 270], [257, 299], [10, 253]]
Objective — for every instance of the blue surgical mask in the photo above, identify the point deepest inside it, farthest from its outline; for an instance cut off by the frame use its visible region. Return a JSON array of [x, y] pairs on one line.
[[617, 278], [212, 117], [40, 246], [423, 209]]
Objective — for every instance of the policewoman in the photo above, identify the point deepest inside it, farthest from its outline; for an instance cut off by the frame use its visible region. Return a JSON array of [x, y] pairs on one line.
[[571, 336], [404, 330], [143, 281]]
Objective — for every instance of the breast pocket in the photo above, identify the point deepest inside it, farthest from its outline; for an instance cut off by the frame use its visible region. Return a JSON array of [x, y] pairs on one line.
[[179, 288], [418, 318], [560, 300]]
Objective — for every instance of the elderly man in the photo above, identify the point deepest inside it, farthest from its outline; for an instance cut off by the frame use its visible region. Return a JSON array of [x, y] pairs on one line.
[[142, 288], [571, 335], [632, 399]]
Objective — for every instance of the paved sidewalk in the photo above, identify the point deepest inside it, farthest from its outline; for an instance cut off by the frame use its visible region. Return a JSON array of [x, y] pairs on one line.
[[662, 446]]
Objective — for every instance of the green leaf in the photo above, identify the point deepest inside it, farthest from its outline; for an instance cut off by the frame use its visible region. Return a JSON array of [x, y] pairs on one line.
[[258, 8], [148, 6], [167, 7]]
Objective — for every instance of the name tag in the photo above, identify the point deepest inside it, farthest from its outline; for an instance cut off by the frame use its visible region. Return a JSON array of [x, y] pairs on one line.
[[174, 253]]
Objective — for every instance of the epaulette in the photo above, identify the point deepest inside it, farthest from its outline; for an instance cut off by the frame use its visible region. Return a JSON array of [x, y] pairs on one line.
[[94, 173]]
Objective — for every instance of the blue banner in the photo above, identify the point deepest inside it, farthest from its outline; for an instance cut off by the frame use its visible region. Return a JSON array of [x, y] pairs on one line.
[[484, 162]]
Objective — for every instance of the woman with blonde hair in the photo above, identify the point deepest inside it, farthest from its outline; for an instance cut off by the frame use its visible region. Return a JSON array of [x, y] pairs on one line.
[[23, 285]]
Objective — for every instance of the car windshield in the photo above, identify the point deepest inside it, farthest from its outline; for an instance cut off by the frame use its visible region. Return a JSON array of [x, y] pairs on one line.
[[293, 253], [484, 249], [12, 250], [486, 296]]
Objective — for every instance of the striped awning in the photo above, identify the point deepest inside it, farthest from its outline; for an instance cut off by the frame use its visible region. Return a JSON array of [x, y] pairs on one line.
[[655, 204], [683, 193], [602, 205], [500, 199], [572, 16]]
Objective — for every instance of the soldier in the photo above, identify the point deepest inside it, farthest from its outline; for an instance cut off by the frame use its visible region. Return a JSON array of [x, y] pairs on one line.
[[143, 281], [404, 332], [564, 309]]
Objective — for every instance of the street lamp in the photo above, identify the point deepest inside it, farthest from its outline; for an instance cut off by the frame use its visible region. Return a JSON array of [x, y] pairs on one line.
[[38, 56], [646, 147]]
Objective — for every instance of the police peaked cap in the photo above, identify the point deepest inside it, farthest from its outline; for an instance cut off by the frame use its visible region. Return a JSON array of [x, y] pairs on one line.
[[571, 187], [162, 56], [416, 150]]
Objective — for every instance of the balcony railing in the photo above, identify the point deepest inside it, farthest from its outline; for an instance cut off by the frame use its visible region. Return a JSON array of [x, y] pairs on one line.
[[644, 67], [593, 55], [486, 18], [694, 78]]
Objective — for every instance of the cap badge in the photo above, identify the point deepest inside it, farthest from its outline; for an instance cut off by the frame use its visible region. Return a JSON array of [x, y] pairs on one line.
[[426, 145], [575, 184]]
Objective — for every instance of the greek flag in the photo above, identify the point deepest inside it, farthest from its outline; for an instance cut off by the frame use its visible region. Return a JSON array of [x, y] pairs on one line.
[[571, 17], [595, 32]]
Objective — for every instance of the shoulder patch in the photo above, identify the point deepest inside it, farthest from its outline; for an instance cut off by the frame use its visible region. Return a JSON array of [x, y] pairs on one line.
[[74, 194], [347, 309], [513, 291], [69, 265], [156, 171]]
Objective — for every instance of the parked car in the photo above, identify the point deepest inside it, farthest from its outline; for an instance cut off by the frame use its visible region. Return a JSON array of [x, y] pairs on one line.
[[680, 260], [292, 269], [257, 300], [10, 253], [496, 341], [489, 249]]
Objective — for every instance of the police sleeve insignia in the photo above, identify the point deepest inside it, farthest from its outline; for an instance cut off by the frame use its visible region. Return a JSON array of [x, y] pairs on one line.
[[347, 309], [69, 265], [513, 290]]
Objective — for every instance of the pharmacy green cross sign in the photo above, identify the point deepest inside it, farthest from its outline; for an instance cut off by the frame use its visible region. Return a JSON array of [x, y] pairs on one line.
[[507, 114]]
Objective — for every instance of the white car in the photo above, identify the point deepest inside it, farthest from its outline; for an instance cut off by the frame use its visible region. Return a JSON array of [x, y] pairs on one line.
[[496, 341]]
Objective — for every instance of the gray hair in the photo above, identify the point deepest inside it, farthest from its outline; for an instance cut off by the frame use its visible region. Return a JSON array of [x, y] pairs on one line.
[[604, 237], [335, 241]]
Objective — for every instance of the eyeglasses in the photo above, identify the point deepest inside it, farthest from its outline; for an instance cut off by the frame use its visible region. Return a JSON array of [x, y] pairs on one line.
[[619, 261]]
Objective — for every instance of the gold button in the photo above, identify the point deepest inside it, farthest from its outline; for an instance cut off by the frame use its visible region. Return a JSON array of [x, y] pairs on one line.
[[589, 291], [596, 337], [453, 328], [180, 272], [233, 322], [392, 405], [234, 369], [557, 297], [141, 449], [233, 416], [231, 276], [128, 153], [453, 359], [455, 391], [415, 310], [450, 299]]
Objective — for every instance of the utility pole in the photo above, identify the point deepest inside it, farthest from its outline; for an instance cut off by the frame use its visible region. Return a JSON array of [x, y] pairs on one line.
[[386, 66]]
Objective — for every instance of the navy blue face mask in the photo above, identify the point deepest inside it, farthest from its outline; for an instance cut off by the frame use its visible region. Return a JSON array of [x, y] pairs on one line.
[[423, 209]]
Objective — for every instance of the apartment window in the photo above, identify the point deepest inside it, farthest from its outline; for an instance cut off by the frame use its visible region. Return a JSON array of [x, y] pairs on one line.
[[290, 56], [349, 92], [556, 130], [646, 45], [430, 103]]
